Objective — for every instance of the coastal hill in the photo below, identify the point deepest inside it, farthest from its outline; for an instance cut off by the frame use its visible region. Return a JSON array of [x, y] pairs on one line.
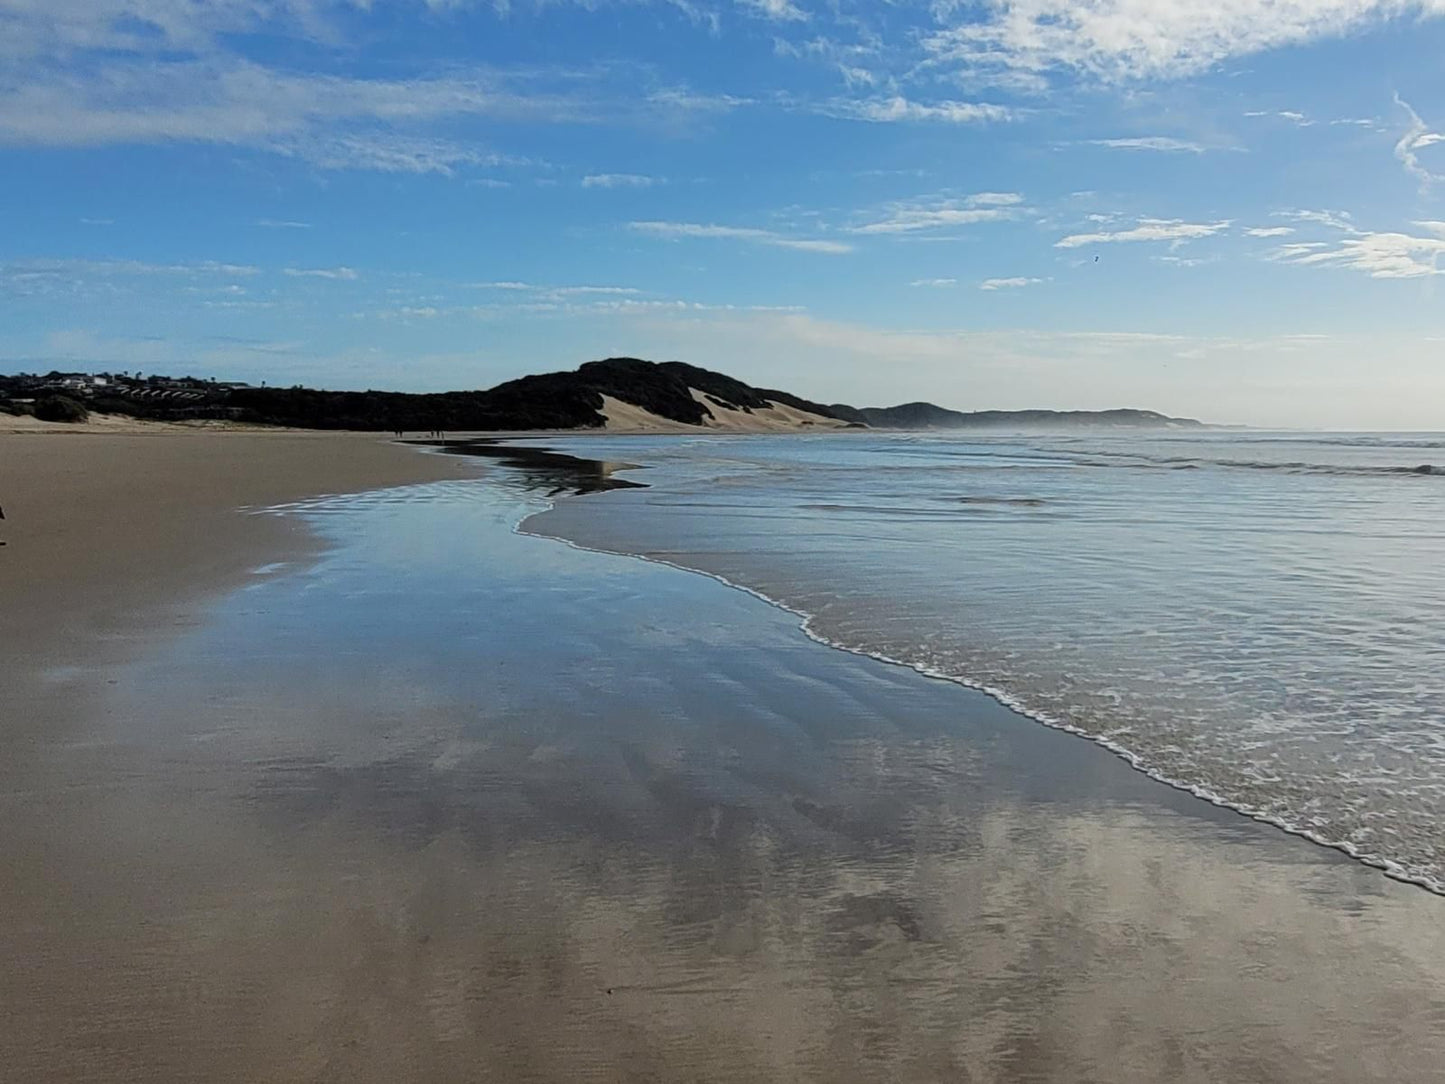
[[929, 416], [615, 393]]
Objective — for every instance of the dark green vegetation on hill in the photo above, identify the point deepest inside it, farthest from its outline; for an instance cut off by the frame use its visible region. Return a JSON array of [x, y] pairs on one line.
[[568, 400]]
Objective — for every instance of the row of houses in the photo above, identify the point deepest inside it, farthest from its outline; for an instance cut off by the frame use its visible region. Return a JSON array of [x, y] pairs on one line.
[[89, 385]]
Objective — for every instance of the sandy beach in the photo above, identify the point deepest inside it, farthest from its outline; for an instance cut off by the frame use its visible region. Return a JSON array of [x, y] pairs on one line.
[[110, 527], [438, 801]]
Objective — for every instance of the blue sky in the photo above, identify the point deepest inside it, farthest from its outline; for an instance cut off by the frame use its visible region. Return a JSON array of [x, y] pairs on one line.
[[1233, 209]]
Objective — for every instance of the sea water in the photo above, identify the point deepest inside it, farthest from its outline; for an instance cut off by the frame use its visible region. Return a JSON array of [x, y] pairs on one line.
[[1257, 617]]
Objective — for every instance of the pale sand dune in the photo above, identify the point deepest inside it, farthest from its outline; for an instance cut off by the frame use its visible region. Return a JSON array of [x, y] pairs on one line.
[[779, 418]]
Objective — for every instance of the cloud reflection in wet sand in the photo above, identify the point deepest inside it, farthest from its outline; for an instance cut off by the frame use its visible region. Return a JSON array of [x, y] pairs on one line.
[[461, 804]]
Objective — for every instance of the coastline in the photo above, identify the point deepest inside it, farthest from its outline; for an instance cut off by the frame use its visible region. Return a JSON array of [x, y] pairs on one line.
[[118, 537], [443, 799], [581, 531]]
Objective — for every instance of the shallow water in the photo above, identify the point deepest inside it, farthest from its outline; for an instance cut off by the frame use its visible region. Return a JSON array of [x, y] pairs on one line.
[[455, 803], [1259, 617]]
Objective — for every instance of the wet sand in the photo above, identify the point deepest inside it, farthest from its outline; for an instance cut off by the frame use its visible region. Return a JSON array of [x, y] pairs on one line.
[[445, 802], [114, 535]]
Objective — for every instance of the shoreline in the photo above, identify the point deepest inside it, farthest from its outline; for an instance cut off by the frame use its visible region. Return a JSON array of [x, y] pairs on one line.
[[453, 801], [1387, 867], [116, 539]]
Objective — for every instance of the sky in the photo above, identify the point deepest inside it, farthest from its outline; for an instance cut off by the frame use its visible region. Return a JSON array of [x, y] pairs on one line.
[[1226, 209]]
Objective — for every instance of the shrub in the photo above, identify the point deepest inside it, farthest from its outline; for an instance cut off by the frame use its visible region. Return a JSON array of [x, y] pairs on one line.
[[60, 408]]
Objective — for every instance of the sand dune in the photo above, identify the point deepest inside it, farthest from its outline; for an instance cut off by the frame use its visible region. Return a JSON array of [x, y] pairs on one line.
[[625, 417]]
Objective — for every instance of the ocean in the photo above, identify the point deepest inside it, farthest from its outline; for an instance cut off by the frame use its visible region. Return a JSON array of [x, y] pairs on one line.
[[1255, 617]]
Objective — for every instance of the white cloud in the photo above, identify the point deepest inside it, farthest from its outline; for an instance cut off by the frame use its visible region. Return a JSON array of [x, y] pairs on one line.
[[1268, 231], [1148, 229], [619, 180], [781, 11], [1165, 144], [939, 283], [995, 199], [931, 213], [1007, 284], [281, 224], [1137, 39], [1335, 220], [676, 230], [75, 269], [583, 291], [900, 109], [336, 274], [1294, 117], [330, 121], [1417, 137], [1379, 255]]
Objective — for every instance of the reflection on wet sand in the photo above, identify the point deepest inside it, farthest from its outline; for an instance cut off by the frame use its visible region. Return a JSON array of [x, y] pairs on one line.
[[459, 804], [540, 470]]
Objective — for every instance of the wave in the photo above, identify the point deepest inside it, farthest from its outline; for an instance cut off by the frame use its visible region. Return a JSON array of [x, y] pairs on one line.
[[1404, 872], [1134, 459]]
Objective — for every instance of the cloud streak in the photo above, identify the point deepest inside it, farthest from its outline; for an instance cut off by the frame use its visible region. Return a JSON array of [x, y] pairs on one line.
[[679, 230], [897, 110], [1417, 137], [1120, 40], [334, 274], [934, 213], [1381, 255], [1148, 229], [1163, 144], [620, 180]]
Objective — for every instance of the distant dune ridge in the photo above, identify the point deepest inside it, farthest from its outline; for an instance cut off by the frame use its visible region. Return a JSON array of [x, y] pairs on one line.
[[615, 393]]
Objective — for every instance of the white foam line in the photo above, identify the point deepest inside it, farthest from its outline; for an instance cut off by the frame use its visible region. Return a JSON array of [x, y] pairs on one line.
[[1389, 867]]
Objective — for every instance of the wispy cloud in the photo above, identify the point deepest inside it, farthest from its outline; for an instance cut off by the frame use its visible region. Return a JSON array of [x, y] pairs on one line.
[[1119, 40], [781, 11], [678, 230], [937, 283], [1148, 229], [620, 180], [281, 224], [125, 267], [939, 212], [1293, 117], [1165, 144], [592, 291], [1268, 231], [901, 110], [1417, 137], [335, 274], [1008, 284], [1381, 255], [329, 121]]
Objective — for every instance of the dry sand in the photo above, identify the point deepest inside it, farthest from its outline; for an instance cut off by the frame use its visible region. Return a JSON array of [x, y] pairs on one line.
[[115, 530]]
